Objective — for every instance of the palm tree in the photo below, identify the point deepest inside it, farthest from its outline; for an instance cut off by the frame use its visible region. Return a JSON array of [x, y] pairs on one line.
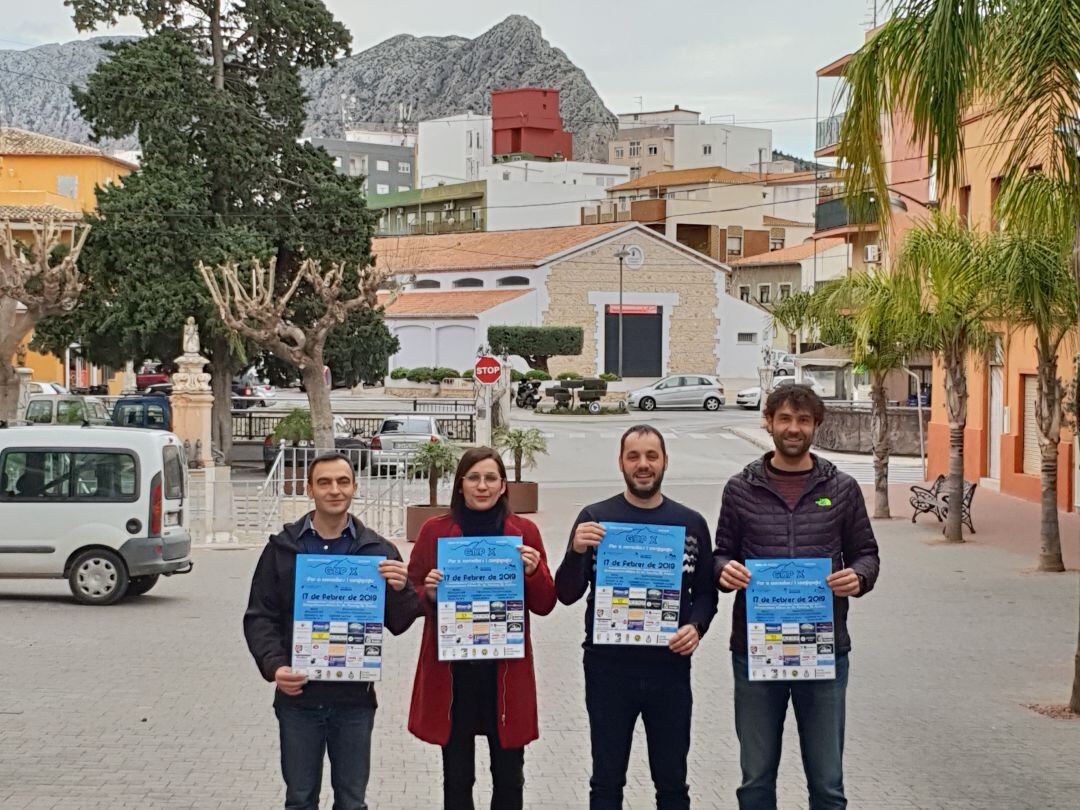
[[793, 314], [943, 268], [880, 331], [1034, 290], [935, 60]]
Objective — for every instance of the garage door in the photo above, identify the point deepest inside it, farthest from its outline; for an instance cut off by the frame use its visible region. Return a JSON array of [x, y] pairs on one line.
[[1032, 457], [643, 335], [456, 346], [415, 347]]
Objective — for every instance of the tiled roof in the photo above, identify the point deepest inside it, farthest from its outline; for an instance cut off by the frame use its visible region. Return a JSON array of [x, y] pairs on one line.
[[687, 177], [14, 141], [482, 250], [780, 221], [457, 303], [789, 255], [23, 213]]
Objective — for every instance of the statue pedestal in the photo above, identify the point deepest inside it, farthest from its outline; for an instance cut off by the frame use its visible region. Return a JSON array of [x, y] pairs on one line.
[[192, 403], [24, 375]]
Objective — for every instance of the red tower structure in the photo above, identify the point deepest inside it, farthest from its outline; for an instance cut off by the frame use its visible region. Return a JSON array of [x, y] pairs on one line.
[[525, 122]]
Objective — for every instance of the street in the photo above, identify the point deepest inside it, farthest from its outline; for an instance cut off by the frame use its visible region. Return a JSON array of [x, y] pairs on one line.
[[156, 703]]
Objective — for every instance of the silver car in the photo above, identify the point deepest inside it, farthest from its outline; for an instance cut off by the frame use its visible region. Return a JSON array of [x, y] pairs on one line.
[[398, 437], [680, 391]]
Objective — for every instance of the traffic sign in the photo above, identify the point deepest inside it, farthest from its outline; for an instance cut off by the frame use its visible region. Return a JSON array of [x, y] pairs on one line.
[[487, 370]]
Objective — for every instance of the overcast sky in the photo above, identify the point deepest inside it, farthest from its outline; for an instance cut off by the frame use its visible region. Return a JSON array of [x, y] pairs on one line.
[[753, 60]]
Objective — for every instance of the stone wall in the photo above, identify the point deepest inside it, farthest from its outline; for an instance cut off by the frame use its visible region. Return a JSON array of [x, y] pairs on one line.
[[667, 270], [847, 429]]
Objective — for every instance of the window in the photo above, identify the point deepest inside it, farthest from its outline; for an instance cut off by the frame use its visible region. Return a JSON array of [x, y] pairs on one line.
[[337, 162], [174, 472], [734, 245], [109, 476], [404, 167], [382, 188], [965, 205], [403, 188], [764, 293], [512, 281], [355, 166], [744, 292], [746, 337], [35, 474], [69, 411], [407, 425], [635, 148], [155, 416], [619, 152], [39, 412], [776, 243], [410, 218], [382, 165], [477, 221], [785, 292], [706, 149], [652, 149], [427, 284], [468, 282]]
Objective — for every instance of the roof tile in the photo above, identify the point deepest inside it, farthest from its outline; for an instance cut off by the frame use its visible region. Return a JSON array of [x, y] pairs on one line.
[[789, 255], [460, 303]]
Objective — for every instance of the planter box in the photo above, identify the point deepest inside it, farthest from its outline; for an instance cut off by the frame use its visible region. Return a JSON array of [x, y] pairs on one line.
[[524, 497], [416, 516]]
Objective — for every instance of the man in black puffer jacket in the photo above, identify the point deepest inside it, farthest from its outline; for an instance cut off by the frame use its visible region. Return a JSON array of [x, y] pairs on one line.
[[793, 504]]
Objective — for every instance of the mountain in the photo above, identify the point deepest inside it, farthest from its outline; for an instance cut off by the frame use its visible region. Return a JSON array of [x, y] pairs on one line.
[[431, 76]]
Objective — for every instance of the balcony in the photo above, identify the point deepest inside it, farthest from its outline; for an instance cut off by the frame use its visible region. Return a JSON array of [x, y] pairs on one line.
[[834, 217], [828, 135], [393, 228], [602, 213]]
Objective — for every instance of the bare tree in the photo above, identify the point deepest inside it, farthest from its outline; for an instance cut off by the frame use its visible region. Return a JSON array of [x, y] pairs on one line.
[[34, 283], [249, 303]]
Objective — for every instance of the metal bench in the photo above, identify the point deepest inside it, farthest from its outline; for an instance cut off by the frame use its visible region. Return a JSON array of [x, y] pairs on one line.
[[936, 502]]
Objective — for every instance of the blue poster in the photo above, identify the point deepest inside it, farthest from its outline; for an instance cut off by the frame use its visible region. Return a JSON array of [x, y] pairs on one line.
[[789, 620], [338, 617], [481, 598], [638, 584]]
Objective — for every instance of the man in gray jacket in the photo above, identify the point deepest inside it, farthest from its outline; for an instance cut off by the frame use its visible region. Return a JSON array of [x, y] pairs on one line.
[[793, 504]]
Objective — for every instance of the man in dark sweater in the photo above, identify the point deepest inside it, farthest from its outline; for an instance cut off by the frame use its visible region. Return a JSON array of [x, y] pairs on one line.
[[793, 504], [321, 717], [621, 681]]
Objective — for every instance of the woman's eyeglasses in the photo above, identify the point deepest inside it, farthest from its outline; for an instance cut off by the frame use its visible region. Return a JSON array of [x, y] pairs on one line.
[[489, 478]]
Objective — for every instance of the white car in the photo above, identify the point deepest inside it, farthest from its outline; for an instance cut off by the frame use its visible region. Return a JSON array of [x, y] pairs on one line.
[[783, 364], [35, 387], [751, 397], [98, 506], [680, 391]]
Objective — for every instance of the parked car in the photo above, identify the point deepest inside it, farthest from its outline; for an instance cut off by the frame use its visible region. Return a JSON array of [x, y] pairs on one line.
[[99, 506], [680, 391], [751, 397], [153, 412], [35, 387], [400, 436], [65, 409], [783, 364], [346, 441], [153, 374]]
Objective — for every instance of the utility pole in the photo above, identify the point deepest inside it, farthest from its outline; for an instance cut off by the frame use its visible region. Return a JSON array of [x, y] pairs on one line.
[[621, 254]]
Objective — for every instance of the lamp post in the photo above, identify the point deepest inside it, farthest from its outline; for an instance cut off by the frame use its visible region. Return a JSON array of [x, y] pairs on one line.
[[621, 254]]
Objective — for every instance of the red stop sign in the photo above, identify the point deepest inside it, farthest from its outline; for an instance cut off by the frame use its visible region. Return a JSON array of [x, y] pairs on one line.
[[487, 370]]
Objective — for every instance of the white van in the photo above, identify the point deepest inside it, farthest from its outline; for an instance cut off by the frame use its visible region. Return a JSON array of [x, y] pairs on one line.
[[99, 506]]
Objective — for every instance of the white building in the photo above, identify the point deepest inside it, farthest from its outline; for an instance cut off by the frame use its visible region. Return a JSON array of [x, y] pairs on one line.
[[733, 147], [454, 149], [677, 313], [381, 137], [566, 172], [658, 118]]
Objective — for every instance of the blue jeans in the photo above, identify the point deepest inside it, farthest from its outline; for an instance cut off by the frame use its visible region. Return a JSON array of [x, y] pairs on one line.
[[307, 734], [760, 709], [614, 697]]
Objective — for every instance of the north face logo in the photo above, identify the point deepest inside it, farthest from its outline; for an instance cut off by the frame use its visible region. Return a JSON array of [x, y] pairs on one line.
[[823, 502]]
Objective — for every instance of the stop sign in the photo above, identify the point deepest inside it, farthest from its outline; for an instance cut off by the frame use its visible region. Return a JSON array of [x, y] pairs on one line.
[[487, 370]]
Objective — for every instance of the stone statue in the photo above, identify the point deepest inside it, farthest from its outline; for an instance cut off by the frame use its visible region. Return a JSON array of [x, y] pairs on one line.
[[191, 337]]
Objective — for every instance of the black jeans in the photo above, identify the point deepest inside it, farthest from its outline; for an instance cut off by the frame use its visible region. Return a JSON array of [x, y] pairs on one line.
[[475, 686], [308, 733], [614, 697]]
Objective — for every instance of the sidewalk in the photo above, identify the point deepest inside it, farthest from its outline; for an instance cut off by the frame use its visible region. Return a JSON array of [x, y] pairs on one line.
[[761, 439]]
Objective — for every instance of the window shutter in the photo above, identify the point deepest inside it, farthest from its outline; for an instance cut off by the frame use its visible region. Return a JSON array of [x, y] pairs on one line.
[[1032, 456]]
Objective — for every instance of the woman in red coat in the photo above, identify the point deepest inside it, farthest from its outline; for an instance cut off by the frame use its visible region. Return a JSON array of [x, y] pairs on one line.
[[452, 702]]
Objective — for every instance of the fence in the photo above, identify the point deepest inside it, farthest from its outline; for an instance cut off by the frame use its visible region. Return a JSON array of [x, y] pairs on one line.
[[226, 511], [457, 424]]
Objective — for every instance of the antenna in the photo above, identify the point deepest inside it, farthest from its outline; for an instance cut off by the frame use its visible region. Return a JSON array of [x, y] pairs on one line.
[[640, 103]]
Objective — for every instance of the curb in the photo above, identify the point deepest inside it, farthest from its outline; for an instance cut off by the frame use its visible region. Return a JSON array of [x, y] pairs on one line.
[[757, 441]]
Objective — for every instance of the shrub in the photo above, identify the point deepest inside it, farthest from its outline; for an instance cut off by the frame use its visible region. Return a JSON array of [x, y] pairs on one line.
[[609, 376], [296, 427], [421, 374], [537, 374], [536, 344], [440, 374], [515, 375], [568, 375], [400, 373], [467, 374]]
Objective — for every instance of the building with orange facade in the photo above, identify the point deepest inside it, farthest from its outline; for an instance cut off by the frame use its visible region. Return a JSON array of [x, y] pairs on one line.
[[46, 178]]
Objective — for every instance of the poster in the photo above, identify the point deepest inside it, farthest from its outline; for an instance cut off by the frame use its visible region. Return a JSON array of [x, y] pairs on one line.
[[481, 599], [638, 584], [789, 620], [338, 617]]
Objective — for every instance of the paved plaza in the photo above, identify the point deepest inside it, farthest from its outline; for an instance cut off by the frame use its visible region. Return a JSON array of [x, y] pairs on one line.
[[156, 702]]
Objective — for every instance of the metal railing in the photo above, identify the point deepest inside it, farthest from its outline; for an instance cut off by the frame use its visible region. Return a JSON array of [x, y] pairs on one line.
[[248, 426], [840, 212], [250, 511], [828, 131]]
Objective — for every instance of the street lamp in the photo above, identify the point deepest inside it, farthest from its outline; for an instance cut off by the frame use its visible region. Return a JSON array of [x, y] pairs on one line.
[[621, 254]]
